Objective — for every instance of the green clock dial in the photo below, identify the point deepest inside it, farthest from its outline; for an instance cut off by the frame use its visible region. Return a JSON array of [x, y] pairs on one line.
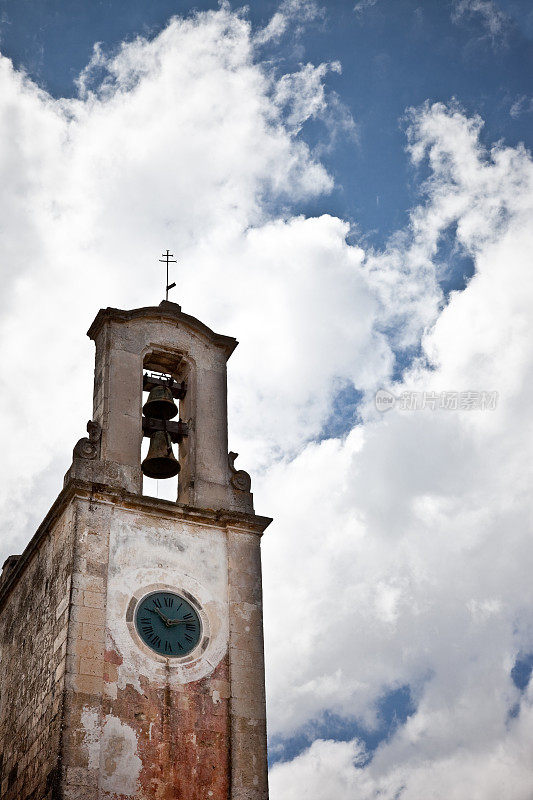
[[168, 624]]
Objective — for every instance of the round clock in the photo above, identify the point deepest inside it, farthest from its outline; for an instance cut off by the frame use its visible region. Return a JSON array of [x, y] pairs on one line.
[[168, 624]]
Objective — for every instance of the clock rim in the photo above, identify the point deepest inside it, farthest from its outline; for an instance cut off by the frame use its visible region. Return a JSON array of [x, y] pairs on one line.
[[201, 646], [176, 594]]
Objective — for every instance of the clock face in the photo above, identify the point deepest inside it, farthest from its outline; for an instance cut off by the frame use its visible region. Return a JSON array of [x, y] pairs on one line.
[[168, 624]]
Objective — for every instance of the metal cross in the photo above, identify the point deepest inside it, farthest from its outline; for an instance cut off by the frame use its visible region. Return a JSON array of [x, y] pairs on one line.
[[168, 258]]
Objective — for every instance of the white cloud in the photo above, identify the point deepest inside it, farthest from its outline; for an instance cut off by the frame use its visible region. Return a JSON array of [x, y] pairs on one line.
[[413, 562], [292, 15], [479, 772], [522, 105], [363, 5], [492, 19], [303, 92], [180, 145], [326, 770], [399, 554]]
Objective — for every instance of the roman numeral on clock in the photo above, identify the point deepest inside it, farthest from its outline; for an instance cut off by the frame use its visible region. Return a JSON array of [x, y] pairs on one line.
[[158, 624]]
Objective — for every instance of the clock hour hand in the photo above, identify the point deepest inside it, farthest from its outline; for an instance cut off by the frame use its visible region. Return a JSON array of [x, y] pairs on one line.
[[178, 621], [163, 617]]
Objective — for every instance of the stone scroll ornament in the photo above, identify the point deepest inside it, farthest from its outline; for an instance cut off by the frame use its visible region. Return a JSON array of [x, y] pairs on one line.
[[88, 447], [240, 479]]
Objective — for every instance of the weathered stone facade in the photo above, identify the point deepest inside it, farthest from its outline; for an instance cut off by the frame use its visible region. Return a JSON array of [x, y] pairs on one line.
[[87, 710], [34, 618]]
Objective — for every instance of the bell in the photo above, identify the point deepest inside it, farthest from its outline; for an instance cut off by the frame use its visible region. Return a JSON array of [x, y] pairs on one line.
[[160, 461], [160, 404]]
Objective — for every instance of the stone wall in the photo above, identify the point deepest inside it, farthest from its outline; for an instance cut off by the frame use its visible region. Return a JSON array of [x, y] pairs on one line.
[[33, 633], [135, 726], [138, 725], [249, 777], [87, 711]]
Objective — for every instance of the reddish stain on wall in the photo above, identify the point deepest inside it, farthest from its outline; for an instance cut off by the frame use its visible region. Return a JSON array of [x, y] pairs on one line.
[[183, 737]]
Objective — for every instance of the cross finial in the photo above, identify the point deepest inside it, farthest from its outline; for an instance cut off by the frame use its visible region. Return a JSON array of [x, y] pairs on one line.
[[168, 258]]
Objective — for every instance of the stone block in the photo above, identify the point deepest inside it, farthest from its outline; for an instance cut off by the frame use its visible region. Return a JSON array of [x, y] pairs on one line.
[[251, 708], [87, 684], [91, 649], [62, 606], [80, 776], [90, 583], [93, 633], [247, 641], [60, 639], [94, 599], [94, 547], [73, 792], [60, 671], [91, 666], [90, 616]]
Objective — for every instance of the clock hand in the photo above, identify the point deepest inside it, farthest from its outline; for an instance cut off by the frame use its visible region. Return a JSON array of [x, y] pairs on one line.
[[178, 621], [157, 611]]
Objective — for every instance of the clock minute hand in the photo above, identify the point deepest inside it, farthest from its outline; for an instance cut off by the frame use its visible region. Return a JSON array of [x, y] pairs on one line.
[[157, 611]]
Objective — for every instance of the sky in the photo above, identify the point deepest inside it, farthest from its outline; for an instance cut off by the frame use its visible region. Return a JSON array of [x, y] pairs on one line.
[[348, 187]]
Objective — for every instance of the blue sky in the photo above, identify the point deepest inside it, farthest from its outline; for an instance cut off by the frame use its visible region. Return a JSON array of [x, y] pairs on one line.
[[349, 188], [394, 54]]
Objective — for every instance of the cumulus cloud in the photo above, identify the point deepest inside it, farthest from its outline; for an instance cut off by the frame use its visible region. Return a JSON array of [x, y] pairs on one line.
[[332, 769], [412, 566], [179, 142], [399, 553]]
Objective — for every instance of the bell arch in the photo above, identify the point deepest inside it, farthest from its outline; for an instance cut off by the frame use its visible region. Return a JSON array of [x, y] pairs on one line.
[[163, 339], [167, 375]]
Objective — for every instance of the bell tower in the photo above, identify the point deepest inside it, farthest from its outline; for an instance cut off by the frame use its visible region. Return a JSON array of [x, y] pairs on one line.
[[141, 650]]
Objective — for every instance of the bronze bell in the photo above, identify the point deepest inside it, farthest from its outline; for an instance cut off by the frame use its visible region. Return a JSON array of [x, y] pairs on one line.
[[160, 404], [160, 461]]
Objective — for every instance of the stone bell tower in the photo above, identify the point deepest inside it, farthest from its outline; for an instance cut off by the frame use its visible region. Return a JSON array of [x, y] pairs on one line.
[[131, 627]]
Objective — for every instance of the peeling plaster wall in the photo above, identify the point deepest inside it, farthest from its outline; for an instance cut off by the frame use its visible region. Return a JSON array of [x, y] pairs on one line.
[[147, 551], [139, 725], [177, 710], [120, 764]]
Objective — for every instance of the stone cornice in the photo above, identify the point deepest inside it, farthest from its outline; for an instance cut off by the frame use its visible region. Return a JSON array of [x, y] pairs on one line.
[[220, 518], [170, 312]]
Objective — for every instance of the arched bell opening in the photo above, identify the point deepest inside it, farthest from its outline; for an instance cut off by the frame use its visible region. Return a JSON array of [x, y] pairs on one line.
[[164, 387]]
